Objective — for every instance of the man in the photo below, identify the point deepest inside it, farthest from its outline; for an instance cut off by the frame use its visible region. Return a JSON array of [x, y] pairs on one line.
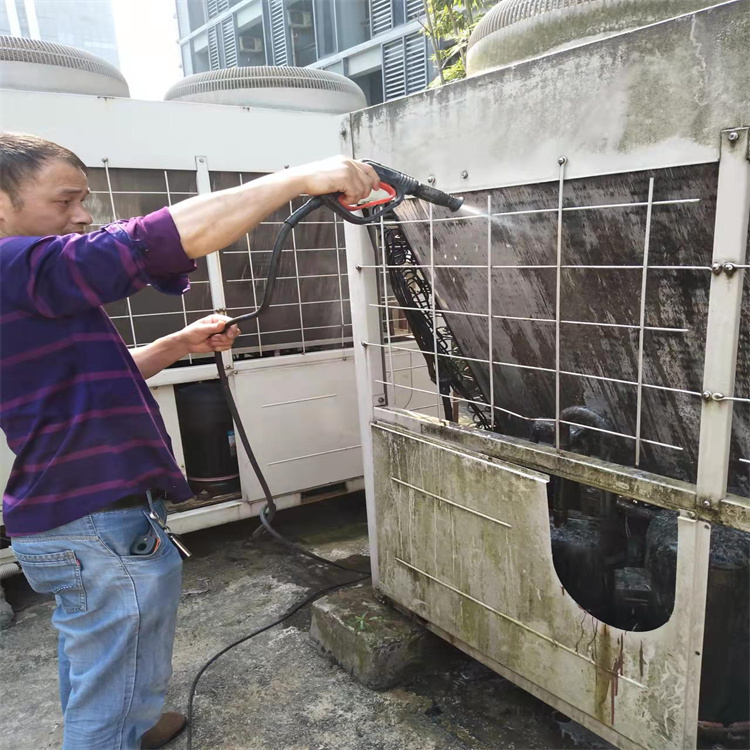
[[91, 448]]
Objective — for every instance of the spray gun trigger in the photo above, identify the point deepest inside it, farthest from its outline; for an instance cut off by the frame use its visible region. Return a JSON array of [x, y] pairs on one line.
[[384, 186]]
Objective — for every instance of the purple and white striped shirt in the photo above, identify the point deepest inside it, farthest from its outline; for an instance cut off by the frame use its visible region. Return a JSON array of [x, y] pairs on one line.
[[76, 411]]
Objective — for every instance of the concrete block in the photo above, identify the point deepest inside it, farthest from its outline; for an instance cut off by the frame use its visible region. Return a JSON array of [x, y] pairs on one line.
[[370, 640], [6, 611]]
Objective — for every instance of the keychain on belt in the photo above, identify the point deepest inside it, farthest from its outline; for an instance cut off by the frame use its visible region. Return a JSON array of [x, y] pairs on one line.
[[174, 538]]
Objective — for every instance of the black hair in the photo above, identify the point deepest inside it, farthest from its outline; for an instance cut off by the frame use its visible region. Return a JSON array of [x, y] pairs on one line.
[[22, 156]]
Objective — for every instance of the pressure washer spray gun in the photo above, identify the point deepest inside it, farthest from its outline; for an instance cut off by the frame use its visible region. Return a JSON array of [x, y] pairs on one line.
[[398, 186]]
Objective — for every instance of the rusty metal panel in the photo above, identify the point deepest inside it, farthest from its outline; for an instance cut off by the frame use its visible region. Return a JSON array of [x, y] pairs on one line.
[[464, 542]]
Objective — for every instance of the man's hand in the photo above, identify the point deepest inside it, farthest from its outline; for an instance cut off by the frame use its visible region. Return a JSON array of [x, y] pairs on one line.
[[205, 335], [354, 179], [202, 336]]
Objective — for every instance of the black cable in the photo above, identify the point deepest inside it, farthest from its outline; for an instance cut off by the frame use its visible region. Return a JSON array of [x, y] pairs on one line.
[[269, 511], [296, 608]]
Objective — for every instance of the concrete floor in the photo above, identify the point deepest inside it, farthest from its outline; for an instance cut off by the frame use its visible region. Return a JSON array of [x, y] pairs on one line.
[[277, 692]]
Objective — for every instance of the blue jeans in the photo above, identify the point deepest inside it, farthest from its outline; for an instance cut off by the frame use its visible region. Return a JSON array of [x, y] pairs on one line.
[[116, 616]]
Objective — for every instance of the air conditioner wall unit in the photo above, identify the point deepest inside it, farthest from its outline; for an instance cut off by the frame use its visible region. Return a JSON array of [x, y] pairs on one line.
[[251, 44], [299, 19]]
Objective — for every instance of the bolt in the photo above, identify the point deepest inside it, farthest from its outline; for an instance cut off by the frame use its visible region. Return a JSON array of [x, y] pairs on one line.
[[381, 400], [717, 268], [464, 174], [729, 268], [562, 160], [706, 503], [431, 179], [733, 136], [706, 395]]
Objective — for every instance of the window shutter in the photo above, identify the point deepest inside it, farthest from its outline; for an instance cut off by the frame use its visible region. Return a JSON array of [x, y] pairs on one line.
[[279, 33], [213, 49], [230, 42], [381, 16], [394, 69], [416, 62], [414, 9], [404, 66]]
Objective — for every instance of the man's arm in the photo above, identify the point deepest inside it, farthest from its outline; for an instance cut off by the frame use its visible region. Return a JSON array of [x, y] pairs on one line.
[[69, 274], [202, 336], [207, 223]]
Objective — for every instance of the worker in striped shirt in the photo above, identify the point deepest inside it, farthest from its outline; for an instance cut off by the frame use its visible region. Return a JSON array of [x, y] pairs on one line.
[[91, 450]]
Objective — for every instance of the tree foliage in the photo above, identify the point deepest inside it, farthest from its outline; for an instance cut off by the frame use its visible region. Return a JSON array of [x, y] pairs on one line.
[[449, 24]]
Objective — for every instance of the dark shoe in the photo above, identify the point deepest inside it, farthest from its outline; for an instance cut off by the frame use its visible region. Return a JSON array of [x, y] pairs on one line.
[[165, 730]]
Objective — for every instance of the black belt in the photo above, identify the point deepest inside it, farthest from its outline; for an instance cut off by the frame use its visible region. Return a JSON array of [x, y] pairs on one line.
[[136, 500]]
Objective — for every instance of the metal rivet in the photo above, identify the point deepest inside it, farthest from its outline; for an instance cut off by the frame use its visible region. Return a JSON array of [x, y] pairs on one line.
[[733, 136], [717, 268], [431, 179], [706, 503], [464, 174], [706, 395], [562, 160], [729, 268]]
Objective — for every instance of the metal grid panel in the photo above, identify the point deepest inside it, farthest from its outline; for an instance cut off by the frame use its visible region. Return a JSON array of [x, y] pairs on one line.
[[597, 293], [310, 309], [121, 194]]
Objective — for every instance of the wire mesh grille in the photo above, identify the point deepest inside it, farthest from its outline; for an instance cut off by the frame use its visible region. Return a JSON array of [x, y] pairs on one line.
[[589, 297], [310, 308], [121, 194]]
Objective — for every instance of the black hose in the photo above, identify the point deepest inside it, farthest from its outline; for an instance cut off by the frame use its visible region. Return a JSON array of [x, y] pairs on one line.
[[296, 608], [269, 510]]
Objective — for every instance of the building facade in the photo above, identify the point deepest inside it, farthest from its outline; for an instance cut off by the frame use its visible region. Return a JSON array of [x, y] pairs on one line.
[[85, 24], [379, 44]]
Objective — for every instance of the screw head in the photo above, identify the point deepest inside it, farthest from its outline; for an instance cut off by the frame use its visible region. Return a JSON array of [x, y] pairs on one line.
[[729, 268], [562, 160], [464, 174], [381, 400], [706, 395], [733, 136], [706, 503], [431, 179], [717, 268]]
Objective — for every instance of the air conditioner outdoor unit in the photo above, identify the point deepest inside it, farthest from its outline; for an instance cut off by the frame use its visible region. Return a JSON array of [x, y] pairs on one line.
[[251, 44], [299, 19]]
